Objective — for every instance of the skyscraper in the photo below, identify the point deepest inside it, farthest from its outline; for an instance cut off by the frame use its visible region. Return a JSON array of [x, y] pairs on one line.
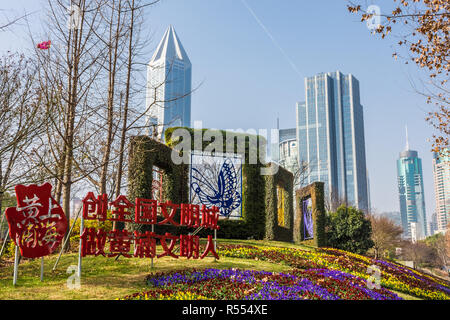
[[285, 153], [169, 77], [330, 134], [411, 194], [285, 150], [432, 225], [441, 173]]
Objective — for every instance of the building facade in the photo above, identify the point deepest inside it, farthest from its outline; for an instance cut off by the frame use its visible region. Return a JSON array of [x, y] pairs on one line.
[[169, 84], [441, 174], [411, 195], [330, 135], [285, 151], [432, 225]]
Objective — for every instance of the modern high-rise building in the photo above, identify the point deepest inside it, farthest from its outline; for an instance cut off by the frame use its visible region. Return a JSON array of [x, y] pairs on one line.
[[432, 225], [441, 173], [330, 134], [411, 195], [284, 152], [169, 77]]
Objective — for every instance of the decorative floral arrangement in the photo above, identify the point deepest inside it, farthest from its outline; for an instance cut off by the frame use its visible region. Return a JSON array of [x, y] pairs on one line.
[[234, 284], [320, 274], [393, 276]]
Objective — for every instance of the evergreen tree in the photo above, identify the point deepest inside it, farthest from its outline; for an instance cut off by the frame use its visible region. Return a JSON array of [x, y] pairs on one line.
[[348, 229]]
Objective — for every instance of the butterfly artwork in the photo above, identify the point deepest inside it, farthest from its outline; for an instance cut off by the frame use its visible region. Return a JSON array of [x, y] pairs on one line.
[[44, 45], [217, 186]]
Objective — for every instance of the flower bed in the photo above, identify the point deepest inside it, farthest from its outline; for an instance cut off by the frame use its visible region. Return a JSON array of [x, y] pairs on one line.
[[393, 276], [233, 284]]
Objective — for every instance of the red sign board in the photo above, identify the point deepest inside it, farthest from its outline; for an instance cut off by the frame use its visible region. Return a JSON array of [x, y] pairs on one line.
[[145, 211], [38, 224]]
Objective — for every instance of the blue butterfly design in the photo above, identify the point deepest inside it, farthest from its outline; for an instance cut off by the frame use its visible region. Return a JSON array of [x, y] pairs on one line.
[[222, 195]]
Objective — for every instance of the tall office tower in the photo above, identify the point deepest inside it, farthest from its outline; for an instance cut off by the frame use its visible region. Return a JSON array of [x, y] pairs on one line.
[[411, 195], [330, 134], [432, 225], [169, 77], [441, 173], [286, 155], [285, 151]]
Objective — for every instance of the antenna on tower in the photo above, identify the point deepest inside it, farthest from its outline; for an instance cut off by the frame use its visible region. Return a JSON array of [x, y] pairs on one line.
[[278, 123], [407, 139]]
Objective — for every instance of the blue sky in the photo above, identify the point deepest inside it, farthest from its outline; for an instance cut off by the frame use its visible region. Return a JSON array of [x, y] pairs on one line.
[[248, 79]]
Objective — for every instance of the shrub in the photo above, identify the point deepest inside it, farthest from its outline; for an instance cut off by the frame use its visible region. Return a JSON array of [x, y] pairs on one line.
[[348, 229]]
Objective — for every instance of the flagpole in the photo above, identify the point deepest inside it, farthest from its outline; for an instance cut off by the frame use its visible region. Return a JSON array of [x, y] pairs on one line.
[[79, 250], [67, 239], [5, 240], [16, 265], [42, 269]]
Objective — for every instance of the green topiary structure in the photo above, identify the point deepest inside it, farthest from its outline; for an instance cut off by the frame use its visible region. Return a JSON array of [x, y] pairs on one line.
[[315, 191], [252, 224], [259, 192], [146, 153], [284, 180]]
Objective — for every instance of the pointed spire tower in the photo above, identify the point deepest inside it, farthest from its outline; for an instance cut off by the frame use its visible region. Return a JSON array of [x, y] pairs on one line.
[[170, 48], [407, 139], [169, 77], [411, 193]]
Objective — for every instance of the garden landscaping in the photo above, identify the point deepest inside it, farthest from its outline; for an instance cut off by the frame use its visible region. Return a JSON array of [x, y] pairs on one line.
[[319, 274], [247, 270]]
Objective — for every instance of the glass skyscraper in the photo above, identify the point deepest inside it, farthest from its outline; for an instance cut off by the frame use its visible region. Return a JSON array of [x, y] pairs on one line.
[[169, 77], [411, 195], [441, 173], [330, 134]]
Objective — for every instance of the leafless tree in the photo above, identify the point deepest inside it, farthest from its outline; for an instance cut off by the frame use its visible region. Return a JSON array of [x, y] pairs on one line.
[[422, 27], [334, 200], [90, 92], [438, 243], [67, 73], [417, 252], [9, 22], [447, 241], [441, 250], [123, 118], [21, 119], [386, 235]]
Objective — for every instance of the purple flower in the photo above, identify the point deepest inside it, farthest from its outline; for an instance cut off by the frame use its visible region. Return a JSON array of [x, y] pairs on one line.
[[279, 286]]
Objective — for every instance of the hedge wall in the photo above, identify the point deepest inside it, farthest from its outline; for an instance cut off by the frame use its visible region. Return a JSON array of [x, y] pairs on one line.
[[284, 179], [259, 193], [252, 224], [146, 153], [316, 192]]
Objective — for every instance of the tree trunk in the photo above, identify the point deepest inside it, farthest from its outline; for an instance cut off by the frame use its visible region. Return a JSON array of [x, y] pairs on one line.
[[125, 113], [68, 154], [114, 43]]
